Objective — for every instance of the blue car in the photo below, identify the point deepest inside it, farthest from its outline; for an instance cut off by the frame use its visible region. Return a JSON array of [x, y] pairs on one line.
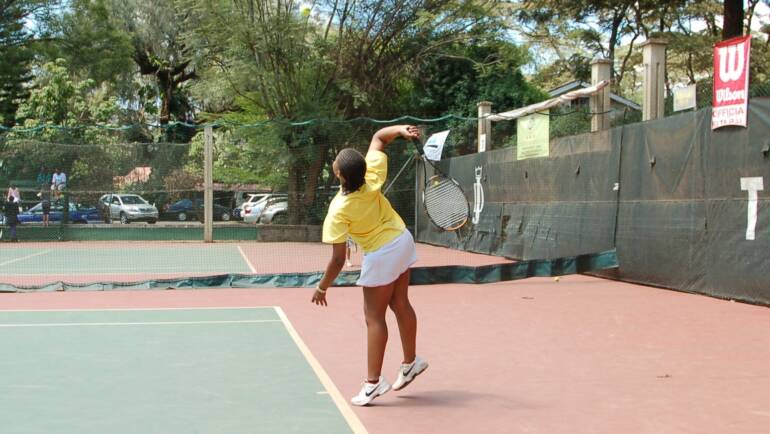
[[78, 213]]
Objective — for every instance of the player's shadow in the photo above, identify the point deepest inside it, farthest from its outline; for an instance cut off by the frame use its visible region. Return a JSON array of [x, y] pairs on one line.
[[447, 398]]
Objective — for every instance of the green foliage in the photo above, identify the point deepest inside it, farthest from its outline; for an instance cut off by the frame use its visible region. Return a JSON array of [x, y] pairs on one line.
[[243, 156], [93, 45], [57, 98], [16, 57], [457, 81]]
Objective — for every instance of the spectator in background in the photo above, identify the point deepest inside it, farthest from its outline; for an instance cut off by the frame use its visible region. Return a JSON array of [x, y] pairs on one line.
[[13, 191], [43, 179], [12, 216], [58, 183]]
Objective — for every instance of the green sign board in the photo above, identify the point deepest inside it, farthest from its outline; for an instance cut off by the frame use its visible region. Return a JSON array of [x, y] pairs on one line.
[[532, 136]]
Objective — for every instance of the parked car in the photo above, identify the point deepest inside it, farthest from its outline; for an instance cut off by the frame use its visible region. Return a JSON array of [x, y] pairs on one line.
[[250, 201], [252, 212], [276, 212], [77, 213], [127, 208], [184, 210]]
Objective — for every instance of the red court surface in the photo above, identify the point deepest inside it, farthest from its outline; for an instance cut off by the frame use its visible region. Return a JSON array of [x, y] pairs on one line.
[[583, 355]]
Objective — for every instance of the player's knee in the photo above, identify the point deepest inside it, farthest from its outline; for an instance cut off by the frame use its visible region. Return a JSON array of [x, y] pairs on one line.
[[399, 305]]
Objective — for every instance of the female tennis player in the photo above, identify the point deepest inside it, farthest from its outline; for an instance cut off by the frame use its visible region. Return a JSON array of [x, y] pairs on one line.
[[360, 211]]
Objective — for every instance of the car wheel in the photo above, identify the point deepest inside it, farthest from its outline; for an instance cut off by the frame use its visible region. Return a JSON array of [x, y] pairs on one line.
[[280, 219], [124, 219], [152, 222], [225, 217], [182, 216]]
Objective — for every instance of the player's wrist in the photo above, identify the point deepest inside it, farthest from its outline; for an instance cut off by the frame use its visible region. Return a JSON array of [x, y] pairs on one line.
[[320, 290]]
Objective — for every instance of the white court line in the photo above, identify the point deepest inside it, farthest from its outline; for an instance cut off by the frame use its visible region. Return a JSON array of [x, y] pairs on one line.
[[134, 309], [326, 381], [152, 323], [124, 272], [24, 258], [251, 267]]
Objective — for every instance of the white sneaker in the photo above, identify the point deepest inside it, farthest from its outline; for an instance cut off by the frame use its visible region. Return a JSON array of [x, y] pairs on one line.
[[371, 391], [409, 371]]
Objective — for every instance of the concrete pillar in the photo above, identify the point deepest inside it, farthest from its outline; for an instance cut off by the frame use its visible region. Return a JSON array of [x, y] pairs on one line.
[[654, 61], [484, 139], [601, 69]]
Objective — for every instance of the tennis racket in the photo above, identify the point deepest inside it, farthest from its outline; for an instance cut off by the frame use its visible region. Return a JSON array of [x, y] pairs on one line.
[[442, 197]]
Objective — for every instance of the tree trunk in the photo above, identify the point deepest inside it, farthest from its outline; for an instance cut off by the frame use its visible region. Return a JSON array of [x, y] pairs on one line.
[[296, 212], [314, 176], [733, 19]]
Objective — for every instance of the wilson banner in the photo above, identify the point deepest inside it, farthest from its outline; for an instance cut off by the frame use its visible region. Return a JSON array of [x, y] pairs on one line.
[[731, 82]]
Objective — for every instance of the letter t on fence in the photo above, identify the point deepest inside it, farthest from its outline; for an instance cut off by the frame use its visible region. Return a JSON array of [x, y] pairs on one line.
[[752, 185]]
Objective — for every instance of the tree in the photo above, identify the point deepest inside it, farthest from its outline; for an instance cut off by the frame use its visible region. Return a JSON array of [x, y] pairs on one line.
[[339, 59], [155, 29], [614, 20], [57, 129], [467, 73], [16, 56], [93, 45]]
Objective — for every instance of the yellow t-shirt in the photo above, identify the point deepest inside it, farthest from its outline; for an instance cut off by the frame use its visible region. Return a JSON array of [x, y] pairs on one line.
[[365, 215]]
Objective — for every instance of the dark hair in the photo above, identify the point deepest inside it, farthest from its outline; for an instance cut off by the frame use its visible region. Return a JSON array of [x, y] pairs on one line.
[[352, 167]]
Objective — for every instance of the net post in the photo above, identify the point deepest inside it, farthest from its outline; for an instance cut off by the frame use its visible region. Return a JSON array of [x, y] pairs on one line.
[[484, 139], [208, 187]]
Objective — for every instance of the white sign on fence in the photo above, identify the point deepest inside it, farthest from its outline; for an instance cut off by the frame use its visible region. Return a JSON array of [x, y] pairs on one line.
[[684, 98]]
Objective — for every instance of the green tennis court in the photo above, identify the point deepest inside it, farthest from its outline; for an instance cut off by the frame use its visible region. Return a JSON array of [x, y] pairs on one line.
[[164, 371], [123, 259]]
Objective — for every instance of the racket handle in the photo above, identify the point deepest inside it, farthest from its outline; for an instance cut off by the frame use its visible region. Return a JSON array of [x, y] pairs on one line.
[[417, 146]]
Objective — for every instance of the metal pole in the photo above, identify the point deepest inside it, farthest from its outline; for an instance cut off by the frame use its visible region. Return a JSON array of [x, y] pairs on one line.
[[208, 187], [484, 134]]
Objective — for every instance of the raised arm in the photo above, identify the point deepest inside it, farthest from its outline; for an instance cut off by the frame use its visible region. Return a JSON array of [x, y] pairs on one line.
[[386, 135]]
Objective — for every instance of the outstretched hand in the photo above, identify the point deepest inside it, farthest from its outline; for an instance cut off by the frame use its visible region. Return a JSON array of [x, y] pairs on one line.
[[409, 132]]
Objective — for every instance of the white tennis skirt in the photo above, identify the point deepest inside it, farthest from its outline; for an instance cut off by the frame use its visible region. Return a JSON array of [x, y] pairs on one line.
[[384, 265]]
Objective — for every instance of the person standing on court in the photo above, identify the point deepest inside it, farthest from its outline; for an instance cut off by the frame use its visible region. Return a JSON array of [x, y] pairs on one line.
[[12, 216], [45, 202], [360, 211]]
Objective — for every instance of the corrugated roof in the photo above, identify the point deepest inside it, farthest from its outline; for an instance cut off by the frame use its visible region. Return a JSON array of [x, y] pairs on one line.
[[567, 87]]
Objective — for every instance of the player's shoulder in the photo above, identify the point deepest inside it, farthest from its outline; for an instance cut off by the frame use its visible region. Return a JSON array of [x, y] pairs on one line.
[[375, 154]]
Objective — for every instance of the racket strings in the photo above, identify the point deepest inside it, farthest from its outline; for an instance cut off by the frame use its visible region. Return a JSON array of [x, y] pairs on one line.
[[445, 203]]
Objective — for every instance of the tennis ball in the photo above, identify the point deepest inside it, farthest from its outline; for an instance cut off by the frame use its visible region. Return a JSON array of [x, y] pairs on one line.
[[556, 279]]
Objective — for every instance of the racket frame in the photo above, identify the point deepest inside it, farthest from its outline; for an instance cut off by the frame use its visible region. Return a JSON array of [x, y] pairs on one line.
[[438, 173]]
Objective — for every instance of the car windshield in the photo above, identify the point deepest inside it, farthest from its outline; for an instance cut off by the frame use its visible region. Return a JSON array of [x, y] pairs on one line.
[[183, 203], [132, 200]]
